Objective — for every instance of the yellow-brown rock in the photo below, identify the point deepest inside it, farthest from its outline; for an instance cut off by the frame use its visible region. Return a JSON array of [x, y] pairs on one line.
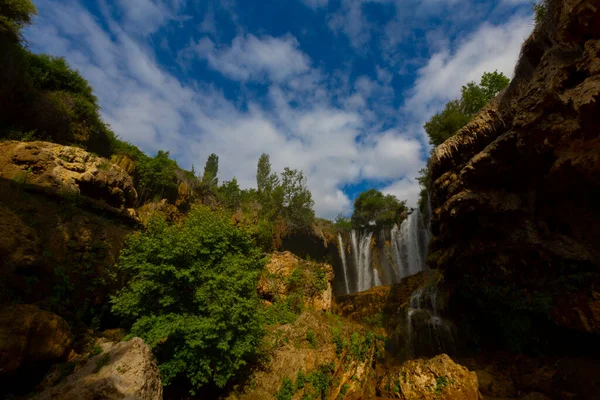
[[439, 378], [126, 370], [29, 335], [285, 273], [66, 171]]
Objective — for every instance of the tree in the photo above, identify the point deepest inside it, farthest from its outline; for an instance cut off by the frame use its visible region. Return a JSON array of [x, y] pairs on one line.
[[211, 170], [192, 296], [296, 200], [445, 124], [374, 208], [230, 194], [458, 113], [266, 181], [14, 15]]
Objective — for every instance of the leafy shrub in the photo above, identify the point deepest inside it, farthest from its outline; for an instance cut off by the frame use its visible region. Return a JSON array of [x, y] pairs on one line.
[[192, 296], [312, 339], [286, 391], [14, 15]]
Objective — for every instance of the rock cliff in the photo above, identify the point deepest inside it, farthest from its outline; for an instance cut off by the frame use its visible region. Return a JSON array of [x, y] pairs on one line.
[[516, 195]]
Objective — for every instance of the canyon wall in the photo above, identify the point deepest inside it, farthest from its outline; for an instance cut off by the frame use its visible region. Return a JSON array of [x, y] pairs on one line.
[[516, 197]]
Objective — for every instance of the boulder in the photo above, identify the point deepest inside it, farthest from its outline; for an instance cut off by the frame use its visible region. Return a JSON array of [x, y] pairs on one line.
[[30, 336], [67, 171], [126, 370], [438, 378]]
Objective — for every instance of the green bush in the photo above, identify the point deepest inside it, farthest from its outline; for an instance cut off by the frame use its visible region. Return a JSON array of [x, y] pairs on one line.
[[286, 391], [192, 296]]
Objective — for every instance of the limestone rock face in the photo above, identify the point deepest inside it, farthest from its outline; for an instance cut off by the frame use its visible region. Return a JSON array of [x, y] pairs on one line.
[[515, 194], [286, 274], [67, 170], [29, 335], [438, 378], [126, 370]]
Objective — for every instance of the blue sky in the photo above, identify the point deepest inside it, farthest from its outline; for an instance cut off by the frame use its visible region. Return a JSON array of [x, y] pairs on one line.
[[337, 88]]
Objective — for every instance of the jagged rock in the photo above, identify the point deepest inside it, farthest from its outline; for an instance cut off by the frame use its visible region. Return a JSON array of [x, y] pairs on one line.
[[29, 335], [125, 370], [516, 222], [314, 280], [439, 378], [66, 171]]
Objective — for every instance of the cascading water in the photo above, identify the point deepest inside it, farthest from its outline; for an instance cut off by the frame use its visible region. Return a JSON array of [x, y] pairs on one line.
[[407, 252], [428, 334], [344, 265]]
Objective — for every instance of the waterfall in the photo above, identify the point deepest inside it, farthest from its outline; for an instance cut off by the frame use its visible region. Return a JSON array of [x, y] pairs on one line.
[[409, 245], [405, 255], [427, 333], [344, 265]]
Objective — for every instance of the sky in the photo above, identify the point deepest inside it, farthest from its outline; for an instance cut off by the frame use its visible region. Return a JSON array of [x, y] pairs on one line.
[[337, 88]]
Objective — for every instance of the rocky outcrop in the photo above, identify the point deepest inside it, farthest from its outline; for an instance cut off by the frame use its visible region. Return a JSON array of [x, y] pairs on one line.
[[67, 171], [439, 378], [126, 370], [285, 274], [56, 254], [319, 356], [516, 195], [30, 336]]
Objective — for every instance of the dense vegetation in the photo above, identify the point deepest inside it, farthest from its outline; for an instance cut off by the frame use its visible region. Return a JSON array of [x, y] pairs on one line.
[[374, 208], [457, 113], [192, 296]]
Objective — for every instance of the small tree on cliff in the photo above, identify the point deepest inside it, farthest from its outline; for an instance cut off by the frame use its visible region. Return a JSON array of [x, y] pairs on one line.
[[192, 296], [458, 113]]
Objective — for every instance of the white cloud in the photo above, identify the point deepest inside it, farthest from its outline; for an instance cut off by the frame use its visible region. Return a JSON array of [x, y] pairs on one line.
[[253, 58], [407, 188], [298, 123], [147, 16], [489, 48], [339, 130]]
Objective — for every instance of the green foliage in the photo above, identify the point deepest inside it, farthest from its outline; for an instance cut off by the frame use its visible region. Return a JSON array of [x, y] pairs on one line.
[[286, 391], [300, 380], [312, 339], [458, 113], [156, 176], [230, 194], [540, 11], [445, 124], [297, 200], [14, 15], [53, 74], [336, 336], [266, 181], [343, 223], [372, 206], [211, 169], [192, 296], [360, 345]]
